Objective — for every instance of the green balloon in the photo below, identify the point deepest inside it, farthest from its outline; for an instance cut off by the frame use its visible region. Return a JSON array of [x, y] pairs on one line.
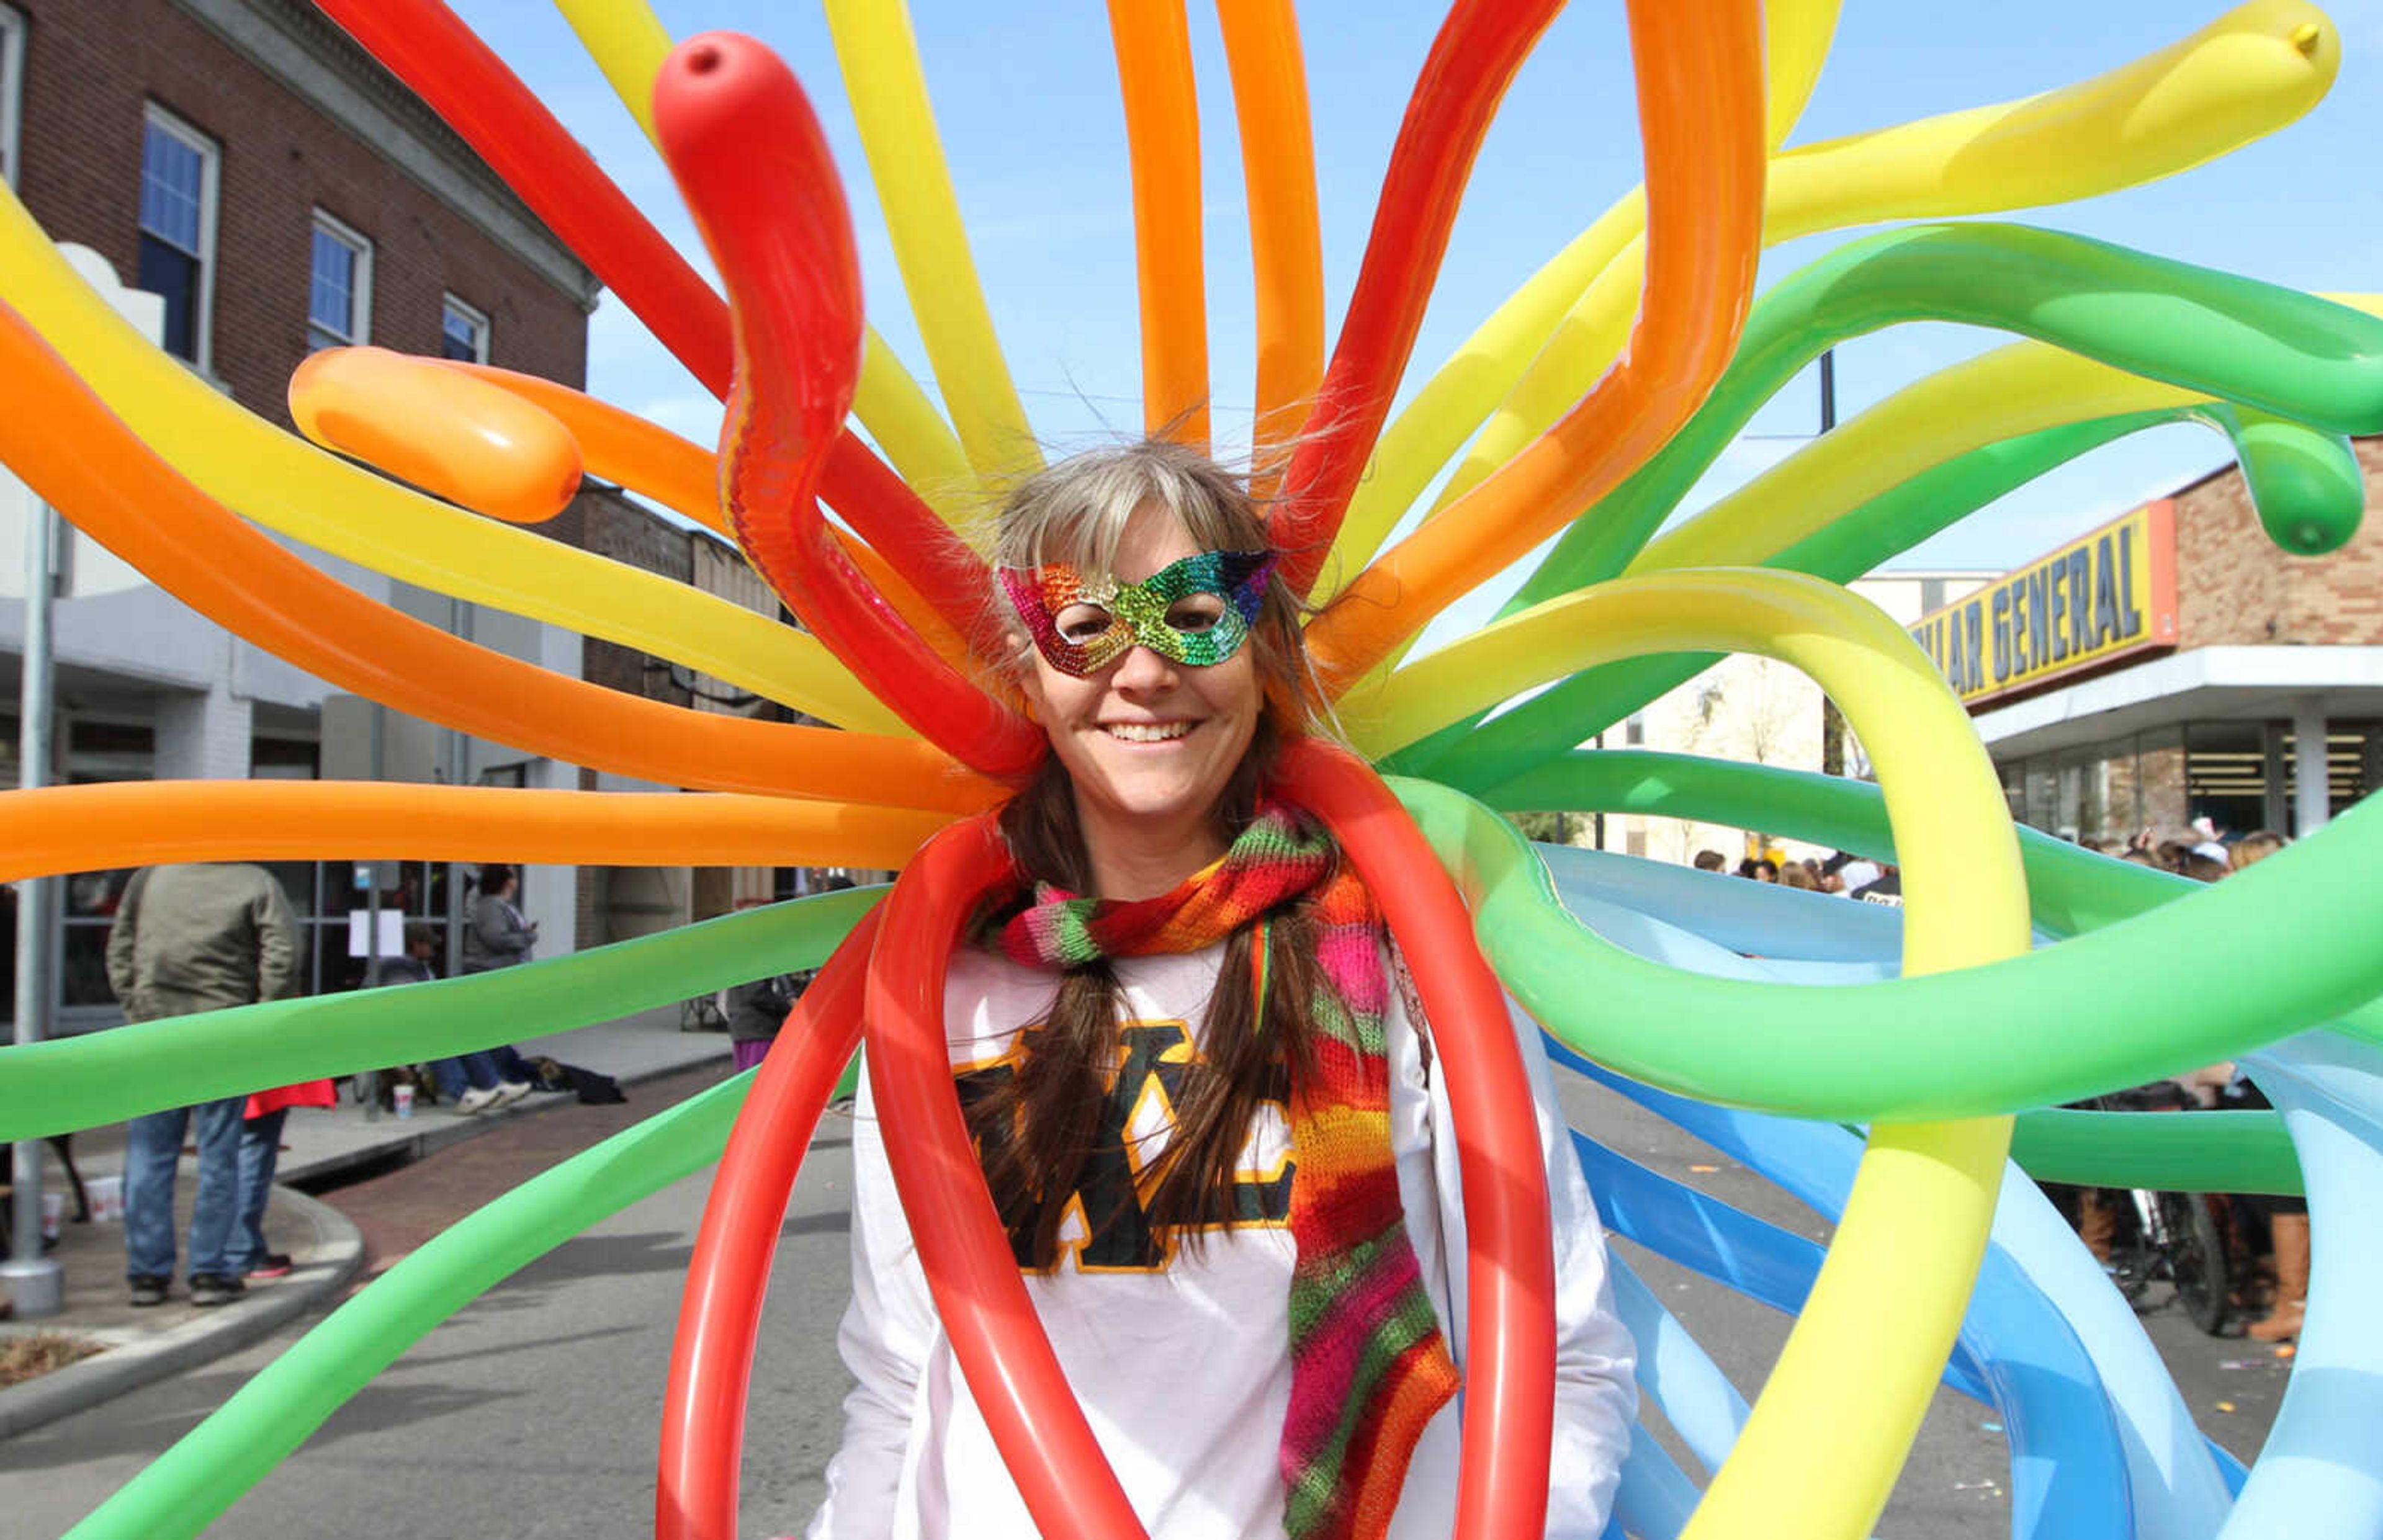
[[2069, 890], [1475, 757], [2296, 931], [107, 1077], [2277, 350], [2202, 1152], [2304, 484], [2165, 320]]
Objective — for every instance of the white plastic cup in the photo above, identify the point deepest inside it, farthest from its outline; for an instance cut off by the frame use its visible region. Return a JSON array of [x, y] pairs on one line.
[[403, 1095], [106, 1195], [53, 1213]]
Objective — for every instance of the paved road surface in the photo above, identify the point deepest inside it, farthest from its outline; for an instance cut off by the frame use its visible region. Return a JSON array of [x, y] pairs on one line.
[[533, 1414]]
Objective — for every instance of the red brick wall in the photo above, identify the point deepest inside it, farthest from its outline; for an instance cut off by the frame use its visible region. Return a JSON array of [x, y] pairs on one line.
[[2236, 588], [89, 67]]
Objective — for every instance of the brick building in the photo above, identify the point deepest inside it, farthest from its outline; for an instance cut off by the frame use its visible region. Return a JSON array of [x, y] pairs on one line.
[[247, 162], [2249, 692]]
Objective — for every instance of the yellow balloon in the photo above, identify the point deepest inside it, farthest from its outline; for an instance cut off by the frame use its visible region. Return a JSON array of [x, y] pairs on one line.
[[2248, 73], [1856, 1377], [918, 443], [628, 43], [888, 90], [1469, 386], [286, 484], [2012, 391]]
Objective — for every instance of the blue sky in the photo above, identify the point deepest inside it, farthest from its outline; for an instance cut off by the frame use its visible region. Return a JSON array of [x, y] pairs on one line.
[[1027, 100]]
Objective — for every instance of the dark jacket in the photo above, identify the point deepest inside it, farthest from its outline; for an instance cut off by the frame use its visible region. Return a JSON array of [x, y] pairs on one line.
[[757, 1010], [496, 937]]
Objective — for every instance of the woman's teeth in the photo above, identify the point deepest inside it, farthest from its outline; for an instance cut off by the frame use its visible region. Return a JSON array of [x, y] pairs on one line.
[[1146, 732]]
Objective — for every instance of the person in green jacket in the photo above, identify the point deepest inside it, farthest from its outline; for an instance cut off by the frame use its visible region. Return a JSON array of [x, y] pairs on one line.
[[189, 939]]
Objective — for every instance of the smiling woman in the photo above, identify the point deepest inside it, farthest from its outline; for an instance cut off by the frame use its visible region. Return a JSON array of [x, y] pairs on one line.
[[1201, 1102]]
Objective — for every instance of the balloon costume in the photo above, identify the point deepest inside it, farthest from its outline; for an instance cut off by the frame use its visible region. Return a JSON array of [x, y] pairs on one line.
[[1584, 407]]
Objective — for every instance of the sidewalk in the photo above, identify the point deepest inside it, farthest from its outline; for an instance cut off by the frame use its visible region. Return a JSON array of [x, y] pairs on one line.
[[319, 1145]]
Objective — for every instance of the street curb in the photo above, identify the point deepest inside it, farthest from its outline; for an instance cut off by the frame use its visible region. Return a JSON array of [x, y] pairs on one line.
[[338, 1253], [436, 1129]]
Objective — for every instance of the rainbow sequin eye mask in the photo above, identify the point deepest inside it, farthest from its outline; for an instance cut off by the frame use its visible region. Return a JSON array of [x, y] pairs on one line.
[[1196, 611]]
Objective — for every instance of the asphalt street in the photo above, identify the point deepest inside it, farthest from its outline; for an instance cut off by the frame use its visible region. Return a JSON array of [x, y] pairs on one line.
[[533, 1414]]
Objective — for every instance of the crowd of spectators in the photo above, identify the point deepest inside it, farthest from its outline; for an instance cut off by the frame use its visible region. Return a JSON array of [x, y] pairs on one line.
[[1843, 874]]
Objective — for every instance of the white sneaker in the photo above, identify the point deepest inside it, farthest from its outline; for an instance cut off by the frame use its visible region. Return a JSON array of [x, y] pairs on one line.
[[509, 1091], [476, 1100]]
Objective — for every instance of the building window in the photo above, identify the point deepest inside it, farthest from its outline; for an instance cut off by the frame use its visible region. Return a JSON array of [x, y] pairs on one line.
[[179, 170], [12, 88], [463, 332], [339, 301]]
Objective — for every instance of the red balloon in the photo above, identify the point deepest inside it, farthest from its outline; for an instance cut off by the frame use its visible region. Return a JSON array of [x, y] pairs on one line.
[[1510, 1266], [1016, 1378], [426, 46], [756, 172], [720, 1315], [1480, 46]]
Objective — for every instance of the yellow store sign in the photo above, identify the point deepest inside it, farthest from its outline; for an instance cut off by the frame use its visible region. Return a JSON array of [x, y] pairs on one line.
[[2106, 596]]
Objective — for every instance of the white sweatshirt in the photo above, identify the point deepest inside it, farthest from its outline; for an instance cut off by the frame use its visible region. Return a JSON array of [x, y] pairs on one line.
[[1184, 1369]]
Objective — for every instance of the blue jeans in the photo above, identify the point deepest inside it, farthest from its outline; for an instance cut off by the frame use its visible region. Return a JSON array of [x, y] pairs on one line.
[[260, 1151], [153, 1152], [483, 1070], [451, 1073]]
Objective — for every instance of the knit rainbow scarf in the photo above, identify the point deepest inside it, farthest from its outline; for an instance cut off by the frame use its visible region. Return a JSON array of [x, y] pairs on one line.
[[1369, 1365]]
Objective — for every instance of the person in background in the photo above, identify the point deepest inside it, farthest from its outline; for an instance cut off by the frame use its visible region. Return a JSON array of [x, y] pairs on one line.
[[260, 1154], [2254, 847], [2286, 1218], [189, 939], [469, 1083], [1759, 868], [498, 936], [1887, 889], [1710, 860], [1799, 874], [756, 1011]]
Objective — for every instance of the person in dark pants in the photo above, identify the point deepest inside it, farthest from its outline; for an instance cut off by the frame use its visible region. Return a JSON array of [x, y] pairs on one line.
[[190, 938]]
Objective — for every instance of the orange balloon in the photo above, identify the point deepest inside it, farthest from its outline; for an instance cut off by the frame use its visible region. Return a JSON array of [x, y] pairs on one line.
[[1162, 131], [453, 437], [683, 476], [81, 459], [131, 823], [1286, 245], [1699, 66]]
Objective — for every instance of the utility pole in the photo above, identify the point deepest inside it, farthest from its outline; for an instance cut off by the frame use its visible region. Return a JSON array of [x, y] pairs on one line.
[[1832, 721], [36, 1284]]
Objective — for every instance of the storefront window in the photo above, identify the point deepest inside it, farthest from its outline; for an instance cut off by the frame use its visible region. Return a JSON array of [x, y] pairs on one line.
[[2227, 777], [2043, 793]]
